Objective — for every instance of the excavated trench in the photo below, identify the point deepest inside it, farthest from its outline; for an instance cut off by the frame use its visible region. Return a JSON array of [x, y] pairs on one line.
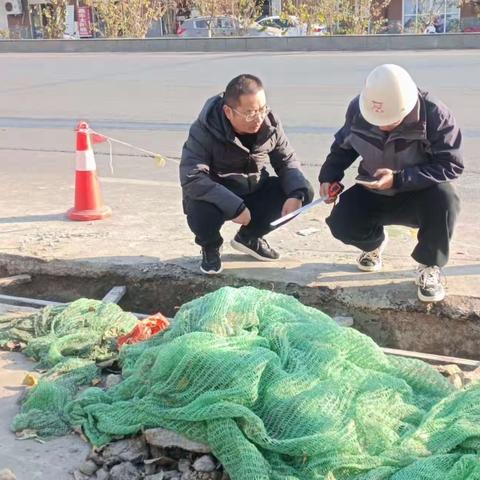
[[452, 328]]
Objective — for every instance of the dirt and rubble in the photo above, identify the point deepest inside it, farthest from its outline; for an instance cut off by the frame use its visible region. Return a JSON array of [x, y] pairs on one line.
[[158, 454]]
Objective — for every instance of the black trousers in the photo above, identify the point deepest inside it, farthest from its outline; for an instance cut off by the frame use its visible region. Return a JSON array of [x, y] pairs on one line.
[[359, 217], [205, 219]]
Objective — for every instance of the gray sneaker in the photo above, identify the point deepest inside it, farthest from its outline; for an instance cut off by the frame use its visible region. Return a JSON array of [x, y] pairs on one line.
[[430, 282], [372, 261]]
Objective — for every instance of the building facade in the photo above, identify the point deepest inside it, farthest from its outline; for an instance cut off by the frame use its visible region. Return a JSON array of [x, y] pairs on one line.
[[26, 19], [446, 16]]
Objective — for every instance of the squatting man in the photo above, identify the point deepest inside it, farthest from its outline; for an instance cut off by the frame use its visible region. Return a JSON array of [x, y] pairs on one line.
[[410, 149], [224, 174]]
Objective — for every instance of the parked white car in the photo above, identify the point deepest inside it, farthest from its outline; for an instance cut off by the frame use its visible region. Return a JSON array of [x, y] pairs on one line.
[[290, 26], [225, 26]]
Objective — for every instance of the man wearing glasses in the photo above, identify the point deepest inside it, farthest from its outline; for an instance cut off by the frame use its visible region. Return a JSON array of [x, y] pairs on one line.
[[224, 175]]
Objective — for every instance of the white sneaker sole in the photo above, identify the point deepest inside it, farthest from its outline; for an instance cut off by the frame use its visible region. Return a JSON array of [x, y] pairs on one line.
[[375, 268], [378, 267], [242, 248], [211, 272], [437, 298]]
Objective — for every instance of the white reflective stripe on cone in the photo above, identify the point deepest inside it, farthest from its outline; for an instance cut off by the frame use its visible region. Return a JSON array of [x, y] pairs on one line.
[[85, 161]]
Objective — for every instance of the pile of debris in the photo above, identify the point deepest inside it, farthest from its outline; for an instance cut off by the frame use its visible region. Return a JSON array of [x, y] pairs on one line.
[[158, 454]]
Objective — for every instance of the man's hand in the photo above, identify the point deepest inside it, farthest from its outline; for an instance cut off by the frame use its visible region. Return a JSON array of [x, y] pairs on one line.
[[385, 179], [244, 218], [324, 192], [290, 205]]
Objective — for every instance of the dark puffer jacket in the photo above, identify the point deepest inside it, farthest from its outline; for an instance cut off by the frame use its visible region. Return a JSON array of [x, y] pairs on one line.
[[424, 150], [218, 169]]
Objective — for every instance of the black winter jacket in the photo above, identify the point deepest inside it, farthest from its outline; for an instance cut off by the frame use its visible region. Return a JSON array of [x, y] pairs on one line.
[[217, 168], [424, 150]]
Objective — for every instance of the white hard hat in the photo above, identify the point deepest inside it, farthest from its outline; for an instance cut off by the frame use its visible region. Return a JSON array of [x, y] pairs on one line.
[[388, 96]]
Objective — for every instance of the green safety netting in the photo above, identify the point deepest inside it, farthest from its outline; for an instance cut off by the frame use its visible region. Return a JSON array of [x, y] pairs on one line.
[[68, 341], [281, 392]]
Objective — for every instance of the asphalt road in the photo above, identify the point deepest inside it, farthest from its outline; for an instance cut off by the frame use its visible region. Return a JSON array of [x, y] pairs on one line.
[[152, 98]]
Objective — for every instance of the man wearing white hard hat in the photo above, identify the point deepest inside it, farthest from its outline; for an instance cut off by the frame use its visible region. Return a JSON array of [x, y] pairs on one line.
[[410, 145]]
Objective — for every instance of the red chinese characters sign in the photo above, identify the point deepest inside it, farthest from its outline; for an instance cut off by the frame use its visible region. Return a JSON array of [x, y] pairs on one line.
[[85, 22]]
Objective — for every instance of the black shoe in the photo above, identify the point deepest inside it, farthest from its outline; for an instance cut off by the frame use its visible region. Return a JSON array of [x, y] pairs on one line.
[[430, 284], [257, 248], [211, 261]]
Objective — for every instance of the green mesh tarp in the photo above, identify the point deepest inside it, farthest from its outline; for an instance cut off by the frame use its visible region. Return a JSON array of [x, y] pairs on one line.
[[68, 341], [281, 392]]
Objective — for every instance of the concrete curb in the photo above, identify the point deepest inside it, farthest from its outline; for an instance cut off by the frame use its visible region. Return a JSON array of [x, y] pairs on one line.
[[388, 313], [451, 41]]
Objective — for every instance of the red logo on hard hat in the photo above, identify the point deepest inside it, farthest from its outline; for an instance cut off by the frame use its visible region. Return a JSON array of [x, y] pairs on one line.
[[377, 107]]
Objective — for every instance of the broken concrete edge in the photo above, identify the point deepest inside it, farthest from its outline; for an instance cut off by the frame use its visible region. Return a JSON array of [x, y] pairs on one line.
[[379, 298], [160, 437]]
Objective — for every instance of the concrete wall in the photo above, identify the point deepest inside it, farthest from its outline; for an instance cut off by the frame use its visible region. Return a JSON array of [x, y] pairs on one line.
[[275, 44]]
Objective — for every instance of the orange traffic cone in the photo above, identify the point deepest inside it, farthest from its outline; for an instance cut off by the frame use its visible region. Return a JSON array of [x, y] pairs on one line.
[[88, 199]]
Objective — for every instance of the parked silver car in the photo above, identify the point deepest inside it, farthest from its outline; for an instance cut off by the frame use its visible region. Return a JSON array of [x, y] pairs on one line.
[[225, 26]]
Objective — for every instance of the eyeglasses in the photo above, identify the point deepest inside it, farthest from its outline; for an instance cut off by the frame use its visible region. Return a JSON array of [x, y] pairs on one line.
[[250, 117]]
